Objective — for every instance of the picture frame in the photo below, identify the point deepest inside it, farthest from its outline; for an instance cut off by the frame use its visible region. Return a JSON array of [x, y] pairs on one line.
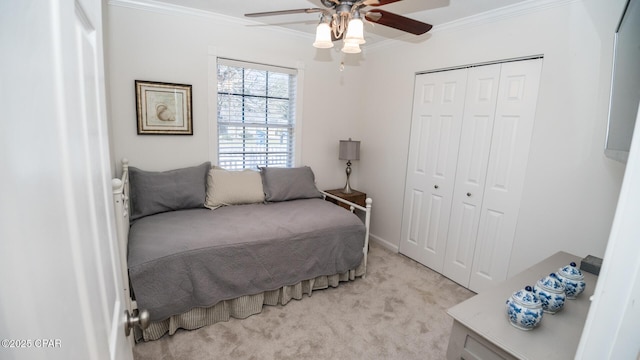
[[163, 108]]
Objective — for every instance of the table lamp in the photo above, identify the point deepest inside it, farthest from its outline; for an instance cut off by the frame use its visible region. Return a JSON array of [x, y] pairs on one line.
[[349, 150]]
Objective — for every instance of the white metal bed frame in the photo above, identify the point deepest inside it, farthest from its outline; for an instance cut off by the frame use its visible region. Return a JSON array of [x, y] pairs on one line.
[[121, 204]]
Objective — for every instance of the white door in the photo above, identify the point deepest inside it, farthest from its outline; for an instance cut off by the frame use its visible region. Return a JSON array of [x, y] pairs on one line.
[[435, 136], [473, 157], [62, 295], [611, 328], [512, 130]]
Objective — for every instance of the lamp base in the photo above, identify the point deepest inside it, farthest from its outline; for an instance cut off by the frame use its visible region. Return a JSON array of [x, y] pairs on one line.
[[347, 188]]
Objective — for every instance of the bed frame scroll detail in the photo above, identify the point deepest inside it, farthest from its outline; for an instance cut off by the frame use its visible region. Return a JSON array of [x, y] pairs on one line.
[[121, 203], [367, 221]]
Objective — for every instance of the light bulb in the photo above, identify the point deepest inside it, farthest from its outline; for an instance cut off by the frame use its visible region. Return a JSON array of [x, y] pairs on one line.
[[355, 31], [351, 47], [323, 36]]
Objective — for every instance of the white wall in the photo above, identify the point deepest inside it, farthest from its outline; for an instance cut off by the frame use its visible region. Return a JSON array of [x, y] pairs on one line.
[[571, 189], [173, 46]]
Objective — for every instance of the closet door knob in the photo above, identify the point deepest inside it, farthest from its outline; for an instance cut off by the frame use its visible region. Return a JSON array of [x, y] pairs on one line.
[[435, 186], [469, 194]]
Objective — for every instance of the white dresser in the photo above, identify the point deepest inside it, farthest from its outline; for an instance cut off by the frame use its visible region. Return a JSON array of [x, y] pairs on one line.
[[481, 330]]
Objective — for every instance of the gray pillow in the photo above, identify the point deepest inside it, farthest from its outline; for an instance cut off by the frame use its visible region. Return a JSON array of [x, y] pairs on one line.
[[156, 192], [282, 184]]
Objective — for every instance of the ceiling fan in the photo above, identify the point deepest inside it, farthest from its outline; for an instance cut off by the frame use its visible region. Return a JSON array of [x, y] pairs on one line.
[[345, 21]]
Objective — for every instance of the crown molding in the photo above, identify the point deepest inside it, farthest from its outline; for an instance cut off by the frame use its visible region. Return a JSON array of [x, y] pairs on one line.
[[172, 9], [510, 11]]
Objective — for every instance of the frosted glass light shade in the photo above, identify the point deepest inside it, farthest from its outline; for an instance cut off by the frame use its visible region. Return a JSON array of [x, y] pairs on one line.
[[355, 31], [351, 47], [323, 36]]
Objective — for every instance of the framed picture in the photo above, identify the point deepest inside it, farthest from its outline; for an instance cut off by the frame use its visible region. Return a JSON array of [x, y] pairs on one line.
[[163, 108]]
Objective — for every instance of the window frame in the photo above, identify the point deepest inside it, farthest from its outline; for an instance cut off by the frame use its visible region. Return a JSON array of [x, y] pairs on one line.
[[297, 69]]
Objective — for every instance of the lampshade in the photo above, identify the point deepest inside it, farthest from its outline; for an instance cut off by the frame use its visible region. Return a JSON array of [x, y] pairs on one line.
[[355, 31], [351, 47], [323, 36], [349, 150]]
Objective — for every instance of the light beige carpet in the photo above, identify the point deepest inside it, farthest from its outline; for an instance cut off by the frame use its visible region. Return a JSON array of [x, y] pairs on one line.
[[397, 312]]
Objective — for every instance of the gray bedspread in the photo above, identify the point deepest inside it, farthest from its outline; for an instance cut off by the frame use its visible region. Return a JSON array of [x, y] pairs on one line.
[[195, 258]]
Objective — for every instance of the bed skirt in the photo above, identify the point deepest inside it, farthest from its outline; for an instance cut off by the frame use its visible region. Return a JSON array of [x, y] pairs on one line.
[[244, 306]]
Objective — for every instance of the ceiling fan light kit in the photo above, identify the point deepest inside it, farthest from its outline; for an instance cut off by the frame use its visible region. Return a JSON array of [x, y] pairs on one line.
[[346, 22]]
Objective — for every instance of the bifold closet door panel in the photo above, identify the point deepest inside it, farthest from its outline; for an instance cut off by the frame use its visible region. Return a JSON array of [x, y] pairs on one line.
[[471, 171], [512, 130], [435, 137]]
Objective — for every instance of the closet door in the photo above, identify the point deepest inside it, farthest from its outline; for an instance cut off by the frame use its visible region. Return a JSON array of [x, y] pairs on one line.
[[512, 130], [435, 136], [473, 158]]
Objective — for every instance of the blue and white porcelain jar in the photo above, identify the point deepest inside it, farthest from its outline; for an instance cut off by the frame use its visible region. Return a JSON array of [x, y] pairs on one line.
[[572, 279], [550, 291], [524, 309]]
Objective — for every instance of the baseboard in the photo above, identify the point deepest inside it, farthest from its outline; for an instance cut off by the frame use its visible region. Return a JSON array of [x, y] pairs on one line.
[[384, 243]]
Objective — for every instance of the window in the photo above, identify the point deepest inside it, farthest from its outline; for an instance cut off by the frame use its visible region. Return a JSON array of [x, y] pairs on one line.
[[256, 115]]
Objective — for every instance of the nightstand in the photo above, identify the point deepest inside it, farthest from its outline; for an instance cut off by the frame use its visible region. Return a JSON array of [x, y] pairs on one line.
[[356, 197]]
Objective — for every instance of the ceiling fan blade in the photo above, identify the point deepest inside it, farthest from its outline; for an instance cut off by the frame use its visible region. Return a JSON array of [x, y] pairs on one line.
[[397, 21], [286, 12], [378, 2]]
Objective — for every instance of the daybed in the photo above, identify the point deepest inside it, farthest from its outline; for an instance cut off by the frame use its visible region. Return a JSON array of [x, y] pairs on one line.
[[204, 244]]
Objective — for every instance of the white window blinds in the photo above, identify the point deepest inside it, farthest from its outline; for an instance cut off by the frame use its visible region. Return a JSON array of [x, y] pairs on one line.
[[256, 115]]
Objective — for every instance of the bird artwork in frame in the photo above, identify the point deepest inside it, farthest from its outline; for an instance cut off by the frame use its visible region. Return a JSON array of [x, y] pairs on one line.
[[163, 108]]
